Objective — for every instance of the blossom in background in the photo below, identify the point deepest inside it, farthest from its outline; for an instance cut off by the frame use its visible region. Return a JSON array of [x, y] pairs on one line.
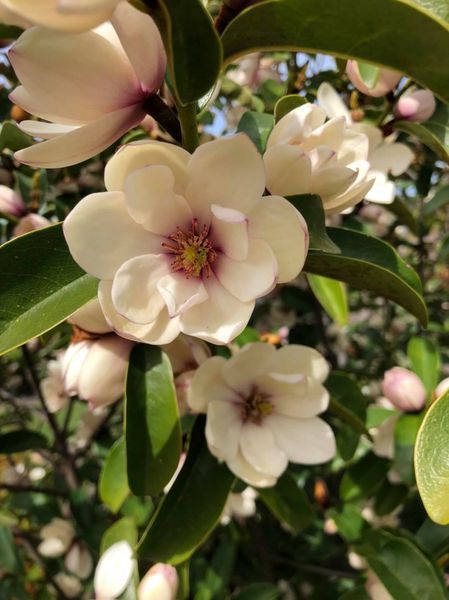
[[404, 389], [383, 434], [307, 155], [114, 571], [198, 266], [239, 506], [262, 407], [112, 72], [29, 223], [57, 537], [159, 583], [78, 561], [416, 105], [10, 202], [385, 156], [386, 81], [254, 69], [70, 585]]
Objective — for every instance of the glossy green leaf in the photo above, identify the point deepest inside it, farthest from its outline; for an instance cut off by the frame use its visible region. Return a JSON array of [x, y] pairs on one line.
[[287, 104], [349, 521], [405, 433], [424, 359], [8, 559], [388, 497], [433, 538], [13, 138], [368, 263], [345, 28], [113, 486], [21, 440], [332, 296], [192, 507], [257, 127], [31, 301], [402, 567], [311, 208], [434, 133], [153, 431], [431, 460], [439, 200], [123, 530], [358, 593], [289, 503], [369, 74], [363, 477], [258, 591]]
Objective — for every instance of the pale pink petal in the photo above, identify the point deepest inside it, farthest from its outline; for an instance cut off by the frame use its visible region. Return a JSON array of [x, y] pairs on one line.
[[304, 400], [72, 363], [252, 361], [39, 108], [300, 360], [43, 130], [355, 146], [331, 101], [208, 385], [391, 158], [288, 170], [383, 191], [102, 236], [230, 232], [299, 122], [247, 473], [223, 427], [261, 450], [180, 293], [90, 317], [332, 181], [330, 135], [373, 133]]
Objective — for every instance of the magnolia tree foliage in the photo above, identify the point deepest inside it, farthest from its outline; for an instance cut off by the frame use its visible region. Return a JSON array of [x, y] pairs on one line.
[[223, 300]]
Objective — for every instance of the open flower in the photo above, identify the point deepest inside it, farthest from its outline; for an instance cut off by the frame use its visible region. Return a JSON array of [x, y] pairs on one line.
[[385, 156], [262, 408], [91, 90], [306, 155], [57, 538], [185, 243]]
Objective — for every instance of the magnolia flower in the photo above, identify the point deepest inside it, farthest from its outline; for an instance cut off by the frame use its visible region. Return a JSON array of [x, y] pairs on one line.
[[375, 588], [57, 538], [386, 81], [64, 15], [10, 202], [404, 389], [90, 318], [383, 434], [70, 585], [442, 387], [92, 90], [240, 506], [385, 156], [52, 386], [198, 265], [262, 407], [418, 105], [79, 561], [159, 583], [253, 69], [306, 155], [114, 571], [29, 223]]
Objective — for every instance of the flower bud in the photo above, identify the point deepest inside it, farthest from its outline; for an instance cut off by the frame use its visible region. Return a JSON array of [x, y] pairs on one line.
[[10, 202], [386, 81], [90, 317], [30, 223], [113, 572], [56, 537], [160, 583], [404, 389], [416, 106], [442, 387]]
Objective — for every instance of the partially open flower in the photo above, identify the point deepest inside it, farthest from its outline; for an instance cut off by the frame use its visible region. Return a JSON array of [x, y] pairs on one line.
[[262, 407], [56, 537], [307, 155], [112, 71], [404, 389], [159, 583], [198, 265], [418, 105], [10, 202], [114, 571], [386, 81]]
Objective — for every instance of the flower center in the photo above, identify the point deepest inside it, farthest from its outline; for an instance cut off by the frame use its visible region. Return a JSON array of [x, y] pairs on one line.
[[256, 407], [192, 250]]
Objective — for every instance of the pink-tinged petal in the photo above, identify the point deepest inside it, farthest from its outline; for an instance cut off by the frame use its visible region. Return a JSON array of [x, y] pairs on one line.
[[161, 331], [304, 400], [331, 101], [261, 450], [142, 43], [330, 135], [278, 222], [242, 369], [134, 289], [247, 473], [295, 359], [298, 123], [102, 236], [208, 385], [250, 278], [90, 317], [383, 190], [220, 318], [288, 170], [83, 142], [223, 427], [101, 79], [38, 107], [180, 293], [45, 131], [72, 363], [229, 172], [348, 199], [304, 441], [146, 153], [230, 232], [391, 158]]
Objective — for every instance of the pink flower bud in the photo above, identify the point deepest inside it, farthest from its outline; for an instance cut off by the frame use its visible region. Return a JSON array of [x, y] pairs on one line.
[[404, 389], [30, 223], [160, 583], [385, 83], [416, 106], [442, 387], [10, 202]]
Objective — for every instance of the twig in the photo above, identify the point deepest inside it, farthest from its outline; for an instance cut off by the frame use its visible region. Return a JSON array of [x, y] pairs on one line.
[[12, 487]]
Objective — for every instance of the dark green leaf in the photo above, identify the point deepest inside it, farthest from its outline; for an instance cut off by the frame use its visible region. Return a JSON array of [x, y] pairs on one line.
[[13, 138], [433, 538], [287, 104], [257, 127], [258, 591], [113, 487], [389, 496], [124, 530], [21, 441], [349, 521], [399, 208], [424, 359], [358, 593], [369, 74], [8, 559], [439, 200], [434, 133], [364, 477], [311, 208]]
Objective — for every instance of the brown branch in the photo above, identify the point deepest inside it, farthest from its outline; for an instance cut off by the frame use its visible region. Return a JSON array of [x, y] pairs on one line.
[[13, 487]]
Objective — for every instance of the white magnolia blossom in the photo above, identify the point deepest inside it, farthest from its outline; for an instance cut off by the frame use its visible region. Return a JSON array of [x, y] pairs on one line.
[[70, 585], [114, 571], [385, 156], [91, 90], [78, 561], [404, 389], [240, 506], [262, 407], [63, 15], [307, 155], [197, 265], [57, 537], [90, 318], [253, 69], [159, 583]]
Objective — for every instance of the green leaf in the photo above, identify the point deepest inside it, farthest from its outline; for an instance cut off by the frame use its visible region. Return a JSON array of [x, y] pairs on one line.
[[192, 45], [358, 593], [405, 433], [287, 104], [408, 38], [368, 263], [349, 521], [13, 138], [402, 567], [433, 538], [439, 200], [434, 133], [431, 462], [113, 487], [364, 477], [289, 503], [8, 559], [152, 428], [311, 208], [424, 359], [258, 591], [41, 286], [124, 530], [399, 208], [192, 507], [21, 441], [369, 74], [332, 296], [257, 127], [389, 496]]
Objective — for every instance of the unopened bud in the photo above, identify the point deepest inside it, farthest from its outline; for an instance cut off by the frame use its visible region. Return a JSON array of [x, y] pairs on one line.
[[114, 571], [10, 202], [404, 389], [416, 106], [30, 223], [386, 81], [160, 583]]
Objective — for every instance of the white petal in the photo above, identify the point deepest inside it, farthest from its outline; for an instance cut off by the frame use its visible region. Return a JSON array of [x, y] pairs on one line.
[[383, 191], [102, 236], [220, 318], [261, 450], [45, 131], [301, 360], [303, 400], [114, 571], [331, 101], [244, 471], [223, 428], [83, 142], [332, 181], [52, 548], [391, 158], [229, 229], [252, 361], [250, 278], [144, 154], [134, 289], [298, 123], [180, 293], [355, 146], [208, 385], [228, 171], [90, 317], [278, 222], [373, 133], [305, 441], [330, 135], [288, 170], [72, 363], [152, 202]]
